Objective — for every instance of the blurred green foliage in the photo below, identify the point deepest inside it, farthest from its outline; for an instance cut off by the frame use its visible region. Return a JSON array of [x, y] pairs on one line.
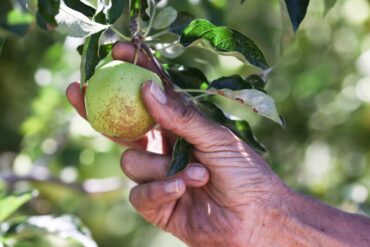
[[321, 83]]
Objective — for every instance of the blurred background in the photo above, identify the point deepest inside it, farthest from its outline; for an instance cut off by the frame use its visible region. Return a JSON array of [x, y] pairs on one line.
[[321, 84]]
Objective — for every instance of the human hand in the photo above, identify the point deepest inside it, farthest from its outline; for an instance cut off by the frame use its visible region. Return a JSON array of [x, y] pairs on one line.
[[222, 196]]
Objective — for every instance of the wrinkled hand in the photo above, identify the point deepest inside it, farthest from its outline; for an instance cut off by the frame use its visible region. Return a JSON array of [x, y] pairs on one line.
[[220, 198]]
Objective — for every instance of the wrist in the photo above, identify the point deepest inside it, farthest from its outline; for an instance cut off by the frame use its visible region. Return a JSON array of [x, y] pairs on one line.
[[264, 219], [292, 219]]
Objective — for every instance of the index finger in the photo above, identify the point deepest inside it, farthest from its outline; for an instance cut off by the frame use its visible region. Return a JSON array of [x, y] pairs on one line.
[[126, 52]]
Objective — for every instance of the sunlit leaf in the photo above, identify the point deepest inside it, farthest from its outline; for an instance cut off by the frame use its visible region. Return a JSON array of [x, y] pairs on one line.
[[224, 39], [64, 227], [17, 17], [164, 18], [258, 101], [81, 6], [180, 157], [75, 24], [297, 11], [10, 203]]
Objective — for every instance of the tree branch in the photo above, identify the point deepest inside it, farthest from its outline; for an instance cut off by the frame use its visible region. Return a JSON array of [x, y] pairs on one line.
[[90, 186]]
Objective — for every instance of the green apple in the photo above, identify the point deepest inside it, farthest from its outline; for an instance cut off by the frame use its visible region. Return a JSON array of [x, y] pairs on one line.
[[113, 100]]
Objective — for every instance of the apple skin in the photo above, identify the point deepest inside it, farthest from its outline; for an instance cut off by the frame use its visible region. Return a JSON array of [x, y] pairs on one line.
[[113, 100]]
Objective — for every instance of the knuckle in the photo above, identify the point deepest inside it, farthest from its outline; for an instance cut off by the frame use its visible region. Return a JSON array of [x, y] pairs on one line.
[[227, 134], [222, 139], [149, 194], [184, 116]]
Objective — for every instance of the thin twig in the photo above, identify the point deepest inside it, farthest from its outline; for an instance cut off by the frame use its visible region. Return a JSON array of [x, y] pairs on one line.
[[163, 74], [193, 91], [151, 20], [199, 96], [120, 34], [154, 36], [168, 46], [137, 52]]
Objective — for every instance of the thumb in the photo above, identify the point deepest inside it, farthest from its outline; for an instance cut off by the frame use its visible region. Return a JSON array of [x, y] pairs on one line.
[[180, 117]]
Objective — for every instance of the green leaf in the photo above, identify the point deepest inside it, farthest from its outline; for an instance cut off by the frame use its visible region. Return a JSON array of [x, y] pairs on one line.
[[297, 11], [100, 16], [10, 203], [41, 23], [48, 9], [138, 17], [187, 78], [258, 101], [224, 39], [256, 81], [240, 128], [2, 42], [66, 227], [164, 18], [137, 9], [329, 4], [180, 157], [245, 133], [236, 82], [80, 6], [90, 57], [105, 50], [182, 21], [75, 24], [18, 30], [17, 17], [115, 10]]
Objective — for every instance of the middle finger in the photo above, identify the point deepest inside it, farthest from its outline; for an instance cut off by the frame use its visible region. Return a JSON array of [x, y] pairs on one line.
[[143, 167]]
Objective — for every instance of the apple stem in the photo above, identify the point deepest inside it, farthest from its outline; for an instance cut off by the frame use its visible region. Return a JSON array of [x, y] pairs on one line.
[[162, 73], [138, 49]]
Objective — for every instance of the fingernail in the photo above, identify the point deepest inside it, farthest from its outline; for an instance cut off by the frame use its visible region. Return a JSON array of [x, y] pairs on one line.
[[196, 173], [172, 186], [158, 93]]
